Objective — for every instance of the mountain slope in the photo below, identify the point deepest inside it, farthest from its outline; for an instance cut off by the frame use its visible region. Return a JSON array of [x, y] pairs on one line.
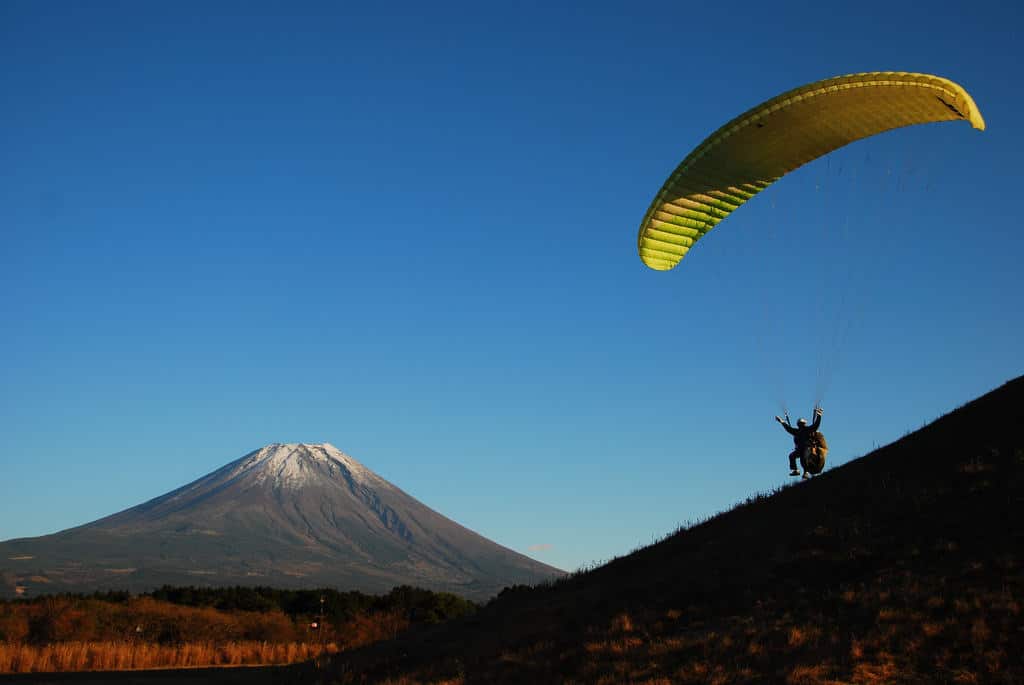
[[289, 515], [901, 566]]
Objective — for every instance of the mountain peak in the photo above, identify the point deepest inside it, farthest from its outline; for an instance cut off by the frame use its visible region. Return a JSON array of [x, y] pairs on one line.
[[285, 515], [296, 464]]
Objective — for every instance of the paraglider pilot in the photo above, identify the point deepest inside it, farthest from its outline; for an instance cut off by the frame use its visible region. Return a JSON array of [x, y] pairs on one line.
[[802, 434]]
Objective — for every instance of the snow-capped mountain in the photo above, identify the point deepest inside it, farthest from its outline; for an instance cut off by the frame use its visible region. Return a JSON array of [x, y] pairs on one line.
[[287, 515]]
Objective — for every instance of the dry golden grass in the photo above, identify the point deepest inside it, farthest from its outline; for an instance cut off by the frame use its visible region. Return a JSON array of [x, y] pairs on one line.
[[806, 675], [894, 628], [119, 656]]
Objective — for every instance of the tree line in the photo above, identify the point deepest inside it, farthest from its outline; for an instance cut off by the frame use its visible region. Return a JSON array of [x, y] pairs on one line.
[[177, 615]]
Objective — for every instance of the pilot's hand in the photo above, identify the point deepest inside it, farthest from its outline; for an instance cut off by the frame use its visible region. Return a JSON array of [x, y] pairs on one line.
[[778, 419], [818, 411]]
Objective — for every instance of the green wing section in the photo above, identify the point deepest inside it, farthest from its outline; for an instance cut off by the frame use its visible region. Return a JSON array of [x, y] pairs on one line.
[[763, 144]]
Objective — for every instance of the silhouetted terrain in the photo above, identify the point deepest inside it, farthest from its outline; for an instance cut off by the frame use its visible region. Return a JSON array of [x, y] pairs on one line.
[[287, 515], [902, 566]]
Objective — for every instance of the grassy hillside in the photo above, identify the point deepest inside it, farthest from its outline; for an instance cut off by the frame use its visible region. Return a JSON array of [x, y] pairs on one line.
[[902, 566]]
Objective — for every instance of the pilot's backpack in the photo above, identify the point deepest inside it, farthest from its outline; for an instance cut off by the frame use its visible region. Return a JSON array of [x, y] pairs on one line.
[[813, 459]]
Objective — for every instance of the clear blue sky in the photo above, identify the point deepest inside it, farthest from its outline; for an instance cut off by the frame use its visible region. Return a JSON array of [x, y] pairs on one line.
[[410, 231]]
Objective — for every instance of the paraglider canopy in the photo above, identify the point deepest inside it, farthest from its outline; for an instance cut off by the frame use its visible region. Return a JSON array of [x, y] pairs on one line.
[[760, 146]]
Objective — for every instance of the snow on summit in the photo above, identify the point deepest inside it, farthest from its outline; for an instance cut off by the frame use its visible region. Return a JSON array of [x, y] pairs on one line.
[[294, 465]]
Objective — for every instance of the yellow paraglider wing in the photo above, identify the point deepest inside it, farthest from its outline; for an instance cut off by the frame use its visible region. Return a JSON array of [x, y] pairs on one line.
[[760, 146]]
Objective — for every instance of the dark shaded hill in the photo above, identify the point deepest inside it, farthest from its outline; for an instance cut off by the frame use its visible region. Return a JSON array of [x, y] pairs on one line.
[[902, 566], [287, 515]]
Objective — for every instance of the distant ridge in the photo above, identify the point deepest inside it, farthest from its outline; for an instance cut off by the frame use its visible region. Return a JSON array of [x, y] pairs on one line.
[[906, 565], [285, 515]]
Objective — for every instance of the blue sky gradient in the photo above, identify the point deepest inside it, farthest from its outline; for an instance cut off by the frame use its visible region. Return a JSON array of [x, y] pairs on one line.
[[410, 231]]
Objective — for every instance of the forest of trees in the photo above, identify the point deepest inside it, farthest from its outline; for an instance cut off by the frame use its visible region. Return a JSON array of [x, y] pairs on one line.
[[183, 614]]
